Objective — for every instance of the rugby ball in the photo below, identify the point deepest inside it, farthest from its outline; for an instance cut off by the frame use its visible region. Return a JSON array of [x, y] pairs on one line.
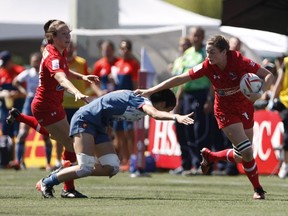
[[250, 83]]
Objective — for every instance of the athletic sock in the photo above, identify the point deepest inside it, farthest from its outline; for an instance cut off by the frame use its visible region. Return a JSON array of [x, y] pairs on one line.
[[32, 122], [251, 171], [225, 155], [51, 180], [71, 156], [20, 147], [48, 150]]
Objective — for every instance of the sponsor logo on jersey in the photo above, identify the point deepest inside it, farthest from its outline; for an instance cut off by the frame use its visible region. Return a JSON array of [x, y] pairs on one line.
[[197, 67], [216, 76], [252, 63], [53, 114], [232, 75], [55, 64]]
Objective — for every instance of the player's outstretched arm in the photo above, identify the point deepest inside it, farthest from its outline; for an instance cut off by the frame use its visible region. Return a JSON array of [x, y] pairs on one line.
[[69, 87], [89, 78], [162, 115], [167, 84]]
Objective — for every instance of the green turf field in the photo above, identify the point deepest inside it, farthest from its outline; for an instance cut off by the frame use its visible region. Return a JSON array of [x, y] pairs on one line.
[[162, 194]]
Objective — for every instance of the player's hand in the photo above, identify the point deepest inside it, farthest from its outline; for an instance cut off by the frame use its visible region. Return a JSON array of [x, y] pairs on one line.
[[185, 119], [270, 104], [91, 78], [254, 96], [142, 92], [80, 96]]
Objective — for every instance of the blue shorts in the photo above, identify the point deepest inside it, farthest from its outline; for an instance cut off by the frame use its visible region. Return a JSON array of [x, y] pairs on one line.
[[80, 124], [123, 125]]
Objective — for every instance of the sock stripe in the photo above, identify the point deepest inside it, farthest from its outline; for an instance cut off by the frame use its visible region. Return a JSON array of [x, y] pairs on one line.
[[243, 146], [227, 155], [236, 151], [250, 169]]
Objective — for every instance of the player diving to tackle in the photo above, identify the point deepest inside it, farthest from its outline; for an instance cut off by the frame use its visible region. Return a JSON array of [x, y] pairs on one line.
[[95, 153]]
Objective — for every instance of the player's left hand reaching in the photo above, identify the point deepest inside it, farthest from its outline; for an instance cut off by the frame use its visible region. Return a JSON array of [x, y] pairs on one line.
[[80, 96], [91, 78], [254, 96], [143, 92], [185, 119]]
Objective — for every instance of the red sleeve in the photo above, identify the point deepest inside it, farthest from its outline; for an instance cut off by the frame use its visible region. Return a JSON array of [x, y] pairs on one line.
[[54, 65], [199, 70]]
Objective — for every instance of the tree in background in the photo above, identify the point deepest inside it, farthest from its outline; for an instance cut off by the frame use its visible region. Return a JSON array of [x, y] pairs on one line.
[[211, 8]]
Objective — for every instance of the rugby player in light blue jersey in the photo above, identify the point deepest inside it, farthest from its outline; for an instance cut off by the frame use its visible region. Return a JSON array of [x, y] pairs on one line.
[[95, 153]]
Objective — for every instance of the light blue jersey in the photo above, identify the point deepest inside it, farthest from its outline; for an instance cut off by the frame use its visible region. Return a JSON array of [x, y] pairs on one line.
[[94, 117]]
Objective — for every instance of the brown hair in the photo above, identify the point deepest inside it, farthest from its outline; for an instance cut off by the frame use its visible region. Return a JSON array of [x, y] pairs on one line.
[[184, 40], [50, 29], [219, 42], [127, 44]]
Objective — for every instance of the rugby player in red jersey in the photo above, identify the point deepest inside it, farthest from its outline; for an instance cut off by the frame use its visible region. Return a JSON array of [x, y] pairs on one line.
[[233, 111], [49, 114]]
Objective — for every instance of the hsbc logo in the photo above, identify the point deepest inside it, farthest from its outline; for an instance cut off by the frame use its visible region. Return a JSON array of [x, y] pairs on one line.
[[262, 131]]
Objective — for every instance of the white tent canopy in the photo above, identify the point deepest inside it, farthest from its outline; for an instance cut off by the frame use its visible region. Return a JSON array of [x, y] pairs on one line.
[[264, 43], [26, 21], [155, 13]]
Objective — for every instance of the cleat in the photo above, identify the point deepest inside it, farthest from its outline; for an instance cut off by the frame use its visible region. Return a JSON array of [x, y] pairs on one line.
[[177, 171], [14, 165], [205, 164], [140, 173], [48, 168], [72, 194], [259, 194], [124, 168], [13, 113], [47, 192]]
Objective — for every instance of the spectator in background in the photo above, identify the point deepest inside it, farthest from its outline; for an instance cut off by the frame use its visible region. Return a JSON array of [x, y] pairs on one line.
[[102, 68], [27, 82], [279, 102], [79, 65], [262, 102], [9, 95], [176, 69], [193, 96], [235, 44], [125, 75]]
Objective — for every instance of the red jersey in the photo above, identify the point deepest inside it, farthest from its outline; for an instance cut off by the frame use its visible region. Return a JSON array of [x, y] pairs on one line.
[[127, 73], [102, 67], [49, 93], [226, 83], [6, 77]]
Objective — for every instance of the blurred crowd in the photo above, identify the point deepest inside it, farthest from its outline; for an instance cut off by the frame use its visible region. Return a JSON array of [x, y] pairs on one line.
[[117, 68]]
